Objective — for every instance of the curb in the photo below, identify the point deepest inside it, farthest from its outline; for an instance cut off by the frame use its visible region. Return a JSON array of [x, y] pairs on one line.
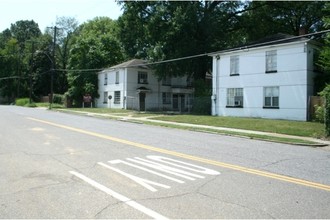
[[200, 128]]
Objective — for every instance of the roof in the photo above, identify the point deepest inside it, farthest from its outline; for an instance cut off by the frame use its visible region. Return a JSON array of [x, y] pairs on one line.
[[138, 63], [276, 39]]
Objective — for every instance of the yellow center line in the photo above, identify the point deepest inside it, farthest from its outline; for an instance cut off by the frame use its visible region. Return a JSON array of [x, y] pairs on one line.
[[194, 158]]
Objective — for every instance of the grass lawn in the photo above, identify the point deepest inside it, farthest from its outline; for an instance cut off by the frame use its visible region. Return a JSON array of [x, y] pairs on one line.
[[306, 129], [103, 110]]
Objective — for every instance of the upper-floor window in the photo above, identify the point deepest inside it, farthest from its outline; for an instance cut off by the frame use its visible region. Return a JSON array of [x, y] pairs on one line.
[[271, 61], [166, 81], [105, 79], [142, 77], [234, 65], [271, 97], [117, 77], [235, 97]]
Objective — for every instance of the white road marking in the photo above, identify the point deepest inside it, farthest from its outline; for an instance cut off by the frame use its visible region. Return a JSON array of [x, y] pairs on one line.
[[145, 169], [187, 167], [166, 168], [143, 182], [120, 197]]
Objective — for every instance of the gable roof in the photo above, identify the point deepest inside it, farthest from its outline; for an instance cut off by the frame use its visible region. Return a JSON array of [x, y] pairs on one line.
[[276, 39], [137, 63]]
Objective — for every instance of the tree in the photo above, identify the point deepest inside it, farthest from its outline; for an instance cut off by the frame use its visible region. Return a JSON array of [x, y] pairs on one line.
[[165, 30], [323, 78], [15, 58], [9, 66], [289, 17], [95, 47], [67, 27], [23, 31]]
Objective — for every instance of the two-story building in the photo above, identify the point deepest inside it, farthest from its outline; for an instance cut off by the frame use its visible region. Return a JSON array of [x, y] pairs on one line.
[[133, 85], [273, 78]]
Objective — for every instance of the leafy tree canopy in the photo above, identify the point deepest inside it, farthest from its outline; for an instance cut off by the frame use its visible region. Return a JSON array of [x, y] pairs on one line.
[[272, 17], [165, 30], [94, 47]]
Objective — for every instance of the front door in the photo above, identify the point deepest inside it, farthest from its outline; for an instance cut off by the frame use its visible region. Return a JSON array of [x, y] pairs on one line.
[[179, 102], [182, 102], [142, 101]]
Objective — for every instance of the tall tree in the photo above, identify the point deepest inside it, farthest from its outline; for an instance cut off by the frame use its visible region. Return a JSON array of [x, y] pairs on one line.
[[66, 29], [9, 66], [324, 77], [272, 17], [23, 31], [166, 29], [95, 47]]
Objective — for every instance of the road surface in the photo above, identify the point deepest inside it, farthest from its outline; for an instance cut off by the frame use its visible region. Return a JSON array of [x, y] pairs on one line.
[[57, 165]]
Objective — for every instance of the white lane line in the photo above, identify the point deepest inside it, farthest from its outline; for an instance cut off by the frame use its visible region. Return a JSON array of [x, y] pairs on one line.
[[120, 197], [143, 182]]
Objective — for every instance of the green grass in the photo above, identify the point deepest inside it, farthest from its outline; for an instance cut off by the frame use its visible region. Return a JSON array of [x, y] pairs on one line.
[[298, 128], [46, 105], [232, 133], [305, 129], [102, 110]]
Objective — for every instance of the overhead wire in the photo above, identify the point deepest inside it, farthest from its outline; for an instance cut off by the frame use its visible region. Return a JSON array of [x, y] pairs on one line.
[[203, 54]]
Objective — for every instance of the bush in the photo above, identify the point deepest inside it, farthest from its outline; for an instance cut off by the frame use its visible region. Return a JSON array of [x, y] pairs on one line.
[[22, 101], [58, 99], [319, 113], [31, 105], [202, 105], [326, 94]]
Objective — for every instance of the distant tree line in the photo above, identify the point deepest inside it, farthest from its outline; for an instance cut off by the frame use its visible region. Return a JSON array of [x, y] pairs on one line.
[[151, 30]]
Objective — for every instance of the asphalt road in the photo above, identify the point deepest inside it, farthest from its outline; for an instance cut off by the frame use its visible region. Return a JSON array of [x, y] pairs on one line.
[[57, 165]]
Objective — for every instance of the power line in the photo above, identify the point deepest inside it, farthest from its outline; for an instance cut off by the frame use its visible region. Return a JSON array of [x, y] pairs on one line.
[[203, 54], [12, 77]]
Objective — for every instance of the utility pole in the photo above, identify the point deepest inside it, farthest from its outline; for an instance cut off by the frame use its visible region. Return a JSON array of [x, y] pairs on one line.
[[53, 71], [31, 72]]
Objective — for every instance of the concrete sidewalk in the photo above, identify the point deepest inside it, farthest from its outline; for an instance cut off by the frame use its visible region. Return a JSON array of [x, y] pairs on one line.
[[319, 142]]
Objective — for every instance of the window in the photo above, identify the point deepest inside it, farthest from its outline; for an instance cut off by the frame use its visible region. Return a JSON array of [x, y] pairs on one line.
[[117, 97], [166, 98], [105, 97], [271, 97], [166, 81], [105, 79], [142, 77], [271, 61], [234, 65], [235, 97], [117, 77]]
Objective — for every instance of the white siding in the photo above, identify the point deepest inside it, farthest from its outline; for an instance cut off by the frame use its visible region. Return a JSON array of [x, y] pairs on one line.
[[291, 78], [111, 87], [129, 87]]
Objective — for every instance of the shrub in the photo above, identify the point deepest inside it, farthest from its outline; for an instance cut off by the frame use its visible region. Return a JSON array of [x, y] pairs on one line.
[[31, 105], [202, 105], [326, 94], [319, 113], [22, 101], [58, 99]]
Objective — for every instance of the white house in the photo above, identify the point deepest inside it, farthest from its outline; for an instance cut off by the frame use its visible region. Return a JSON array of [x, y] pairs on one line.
[[270, 79], [133, 85]]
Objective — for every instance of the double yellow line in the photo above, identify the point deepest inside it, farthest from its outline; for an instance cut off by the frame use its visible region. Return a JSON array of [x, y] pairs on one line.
[[194, 158]]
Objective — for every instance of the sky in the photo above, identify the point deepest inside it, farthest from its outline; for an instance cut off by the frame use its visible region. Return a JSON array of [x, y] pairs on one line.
[[45, 12]]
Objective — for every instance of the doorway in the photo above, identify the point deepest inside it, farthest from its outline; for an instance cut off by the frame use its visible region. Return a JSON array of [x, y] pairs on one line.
[[179, 102], [142, 101]]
